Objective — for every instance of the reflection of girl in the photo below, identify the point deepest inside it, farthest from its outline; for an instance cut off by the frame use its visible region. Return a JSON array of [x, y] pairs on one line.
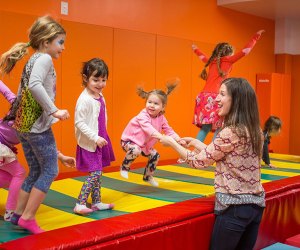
[[220, 64], [240, 197]]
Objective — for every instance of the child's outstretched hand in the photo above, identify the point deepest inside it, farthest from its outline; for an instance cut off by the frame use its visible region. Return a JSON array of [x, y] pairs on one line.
[[194, 47], [67, 161], [182, 142], [101, 142], [260, 32]]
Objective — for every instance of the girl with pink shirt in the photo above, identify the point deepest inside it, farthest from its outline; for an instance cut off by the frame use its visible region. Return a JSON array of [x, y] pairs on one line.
[[144, 130]]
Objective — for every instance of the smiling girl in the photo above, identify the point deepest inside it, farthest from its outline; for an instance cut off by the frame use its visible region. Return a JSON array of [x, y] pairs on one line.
[[94, 149], [144, 130], [34, 112]]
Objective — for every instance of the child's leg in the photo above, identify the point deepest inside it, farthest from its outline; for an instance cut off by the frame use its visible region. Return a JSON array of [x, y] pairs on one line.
[[87, 187], [204, 131], [41, 155], [5, 179], [132, 152], [17, 173], [151, 166], [96, 195]]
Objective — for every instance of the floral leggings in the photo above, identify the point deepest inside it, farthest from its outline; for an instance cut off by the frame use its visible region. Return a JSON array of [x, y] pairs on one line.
[[132, 152], [91, 186]]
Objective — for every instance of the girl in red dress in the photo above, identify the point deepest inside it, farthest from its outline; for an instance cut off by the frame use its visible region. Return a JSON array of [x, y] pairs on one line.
[[220, 64]]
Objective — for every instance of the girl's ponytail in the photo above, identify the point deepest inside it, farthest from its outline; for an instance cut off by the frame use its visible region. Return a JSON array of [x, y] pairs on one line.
[[9, 59]]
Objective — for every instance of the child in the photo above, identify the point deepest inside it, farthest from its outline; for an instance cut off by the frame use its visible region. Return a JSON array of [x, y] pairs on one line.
[[237, 148], [94, 149], [34, 112], [272, 128], [144, 130], [12, 174], [220, 64]]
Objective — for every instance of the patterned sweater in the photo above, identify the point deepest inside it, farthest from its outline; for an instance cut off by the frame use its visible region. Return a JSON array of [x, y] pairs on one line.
[[237, 166]]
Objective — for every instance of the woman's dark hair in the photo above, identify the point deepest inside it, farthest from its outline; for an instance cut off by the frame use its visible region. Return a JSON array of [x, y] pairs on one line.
[[243, 113]]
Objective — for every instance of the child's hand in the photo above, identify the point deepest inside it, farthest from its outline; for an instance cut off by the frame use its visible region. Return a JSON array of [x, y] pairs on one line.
[[182, 142], [187, 139], [61, 114], [101, 142], [67, 161], [271, 166], [194, 47], [260, 32]]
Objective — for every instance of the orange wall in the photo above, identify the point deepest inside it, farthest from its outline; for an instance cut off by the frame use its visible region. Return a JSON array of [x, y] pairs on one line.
[[295, 110], [140, 47]]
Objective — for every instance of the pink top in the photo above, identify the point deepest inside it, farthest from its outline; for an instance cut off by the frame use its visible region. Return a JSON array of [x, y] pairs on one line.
[[140, 129], [214, 80], [237, 166]]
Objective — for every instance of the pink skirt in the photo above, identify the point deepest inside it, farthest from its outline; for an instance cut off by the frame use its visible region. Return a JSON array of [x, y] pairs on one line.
[[206, 111]]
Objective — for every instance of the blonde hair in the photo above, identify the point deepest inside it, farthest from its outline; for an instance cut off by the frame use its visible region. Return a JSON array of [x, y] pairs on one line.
[[43, 29], [162, 95]]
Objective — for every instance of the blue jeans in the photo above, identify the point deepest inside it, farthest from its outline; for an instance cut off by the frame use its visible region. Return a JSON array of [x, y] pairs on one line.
[[236, 228], [41, 156]]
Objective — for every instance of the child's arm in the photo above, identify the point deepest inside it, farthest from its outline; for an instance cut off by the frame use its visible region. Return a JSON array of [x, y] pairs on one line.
[[247, 48], [200, 54], [7, 93], [67, 161], [265, 154]]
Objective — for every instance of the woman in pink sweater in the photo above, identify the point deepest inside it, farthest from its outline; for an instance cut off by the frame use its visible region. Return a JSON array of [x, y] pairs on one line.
[[144, 130]]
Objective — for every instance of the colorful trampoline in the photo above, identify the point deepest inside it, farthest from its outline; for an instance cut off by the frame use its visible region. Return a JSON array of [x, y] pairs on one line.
[[176, 183]]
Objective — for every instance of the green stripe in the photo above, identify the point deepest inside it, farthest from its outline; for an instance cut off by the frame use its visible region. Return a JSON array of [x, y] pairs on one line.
[[144, 191], [66, 203], [9, 232], [179, 177], [291, 170]]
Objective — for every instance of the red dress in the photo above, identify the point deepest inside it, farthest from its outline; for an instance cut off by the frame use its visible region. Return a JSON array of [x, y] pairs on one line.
[[205, 106]]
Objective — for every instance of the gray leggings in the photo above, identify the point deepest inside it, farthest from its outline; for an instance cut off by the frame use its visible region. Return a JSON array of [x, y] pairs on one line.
[[41, 156]]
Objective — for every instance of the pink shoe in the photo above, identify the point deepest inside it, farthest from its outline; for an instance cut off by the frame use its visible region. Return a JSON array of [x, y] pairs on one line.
[[30, 225], [82, 209]]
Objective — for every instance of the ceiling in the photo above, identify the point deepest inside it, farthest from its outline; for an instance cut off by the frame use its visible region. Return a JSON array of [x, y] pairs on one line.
[[271, 9]]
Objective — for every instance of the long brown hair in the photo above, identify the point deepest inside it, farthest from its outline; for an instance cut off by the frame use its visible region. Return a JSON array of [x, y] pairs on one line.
[[243, 113], [221, 49]]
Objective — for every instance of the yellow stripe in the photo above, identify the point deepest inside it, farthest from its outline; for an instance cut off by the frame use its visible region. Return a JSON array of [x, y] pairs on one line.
[[286, 157], [123, 201], [188, 171], [46, 214], [178, 186]]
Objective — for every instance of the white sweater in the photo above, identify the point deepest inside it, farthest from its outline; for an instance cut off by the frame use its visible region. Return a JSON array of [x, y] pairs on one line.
[[86, 121]]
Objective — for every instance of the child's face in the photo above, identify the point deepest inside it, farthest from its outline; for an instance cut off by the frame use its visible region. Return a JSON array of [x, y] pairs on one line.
[[224, 101], [154, 105], [95, 84], [56, 47], [274, 132]]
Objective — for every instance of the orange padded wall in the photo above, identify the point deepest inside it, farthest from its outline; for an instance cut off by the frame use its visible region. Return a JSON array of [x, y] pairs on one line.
[[274, 97], [141, 47]]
